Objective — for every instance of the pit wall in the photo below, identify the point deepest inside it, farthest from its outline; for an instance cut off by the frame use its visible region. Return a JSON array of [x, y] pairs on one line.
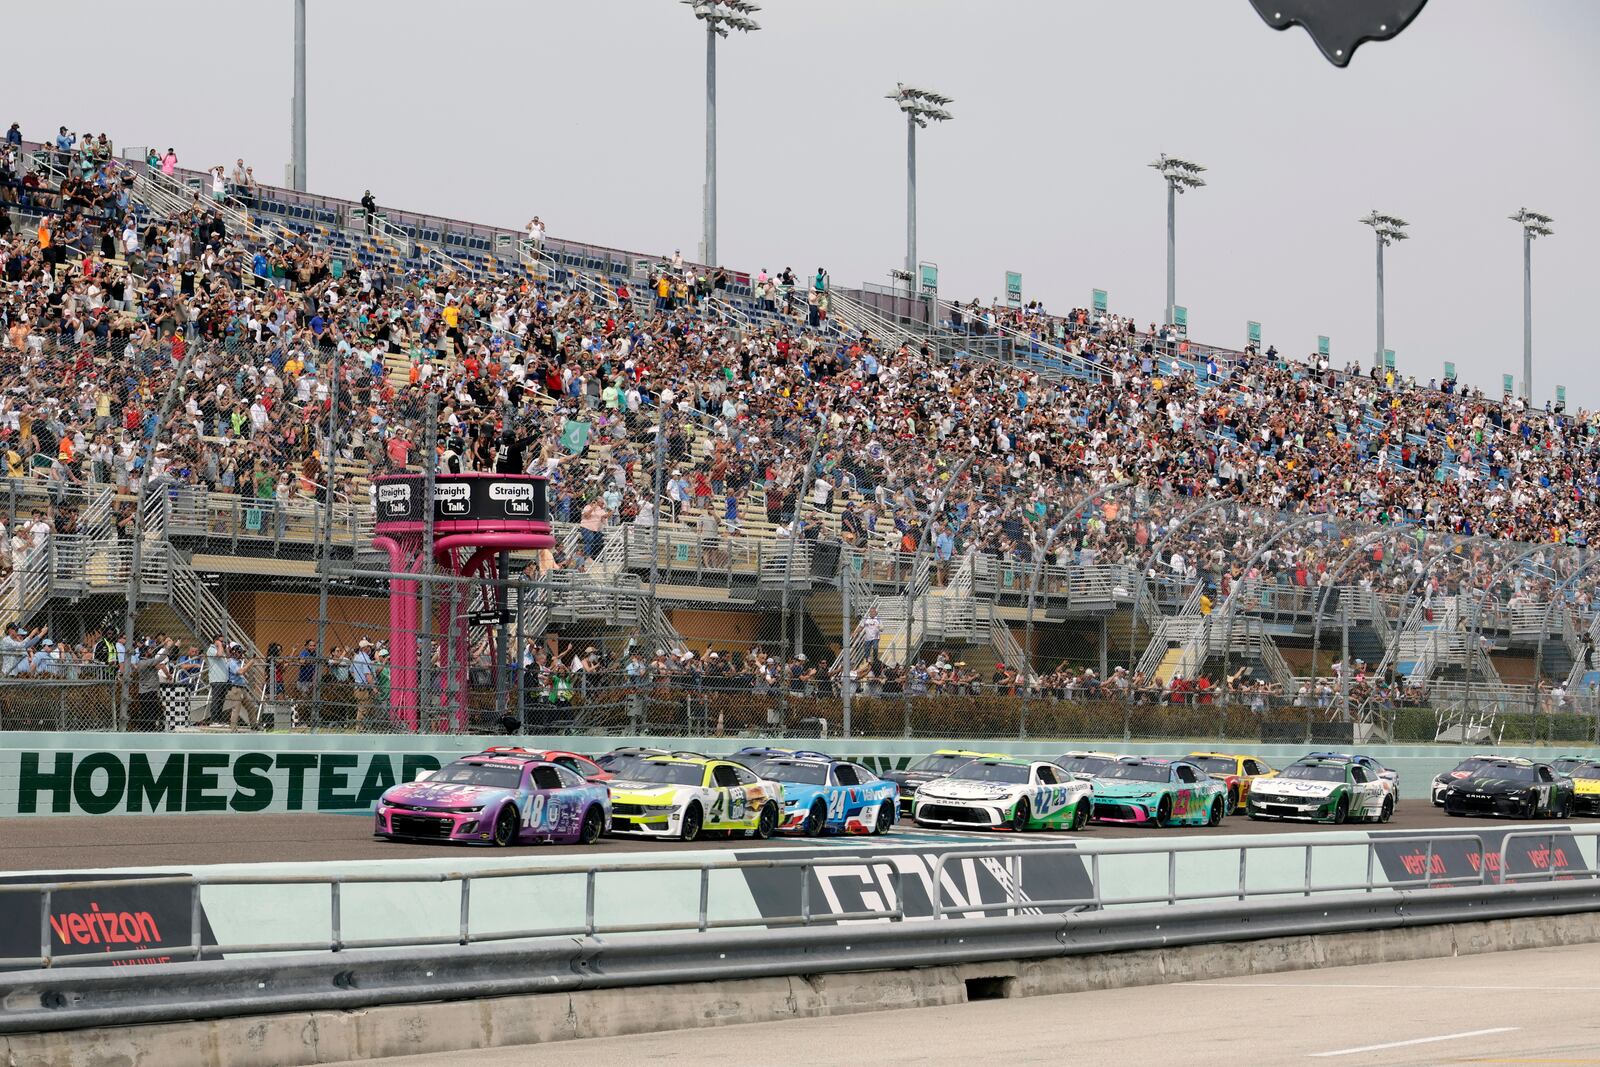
[[118, 773]]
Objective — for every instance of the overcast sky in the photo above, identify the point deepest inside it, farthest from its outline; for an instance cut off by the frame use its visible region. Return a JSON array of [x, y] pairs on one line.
[[590, 114]]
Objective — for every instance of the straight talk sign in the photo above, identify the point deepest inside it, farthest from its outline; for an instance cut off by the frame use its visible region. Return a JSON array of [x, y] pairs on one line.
[[166, 782]]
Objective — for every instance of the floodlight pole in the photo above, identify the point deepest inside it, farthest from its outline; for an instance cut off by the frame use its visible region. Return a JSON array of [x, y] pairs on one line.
[[710, 235], [1380, 361], [299, 133], [1172, 250], [1527, 317], [911, 200]]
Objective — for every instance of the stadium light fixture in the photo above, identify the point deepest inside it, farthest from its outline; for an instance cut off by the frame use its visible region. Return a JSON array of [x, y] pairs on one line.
[[720, 19], [920, 106], [1180, 175], [297, 118], [1533, 225], [1388, 229]]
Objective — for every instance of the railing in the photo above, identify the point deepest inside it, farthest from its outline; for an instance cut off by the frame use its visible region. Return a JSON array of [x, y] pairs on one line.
[[944, 904]]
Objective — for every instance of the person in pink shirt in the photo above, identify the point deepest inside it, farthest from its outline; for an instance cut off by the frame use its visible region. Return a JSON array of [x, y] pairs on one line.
[[169, 163]]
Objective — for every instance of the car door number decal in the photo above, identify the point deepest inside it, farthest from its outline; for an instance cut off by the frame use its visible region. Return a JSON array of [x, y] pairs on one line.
[[533, 811], [836, 801]]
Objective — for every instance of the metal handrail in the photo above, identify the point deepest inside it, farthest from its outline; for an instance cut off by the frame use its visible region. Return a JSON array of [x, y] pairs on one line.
[[1098, 900]]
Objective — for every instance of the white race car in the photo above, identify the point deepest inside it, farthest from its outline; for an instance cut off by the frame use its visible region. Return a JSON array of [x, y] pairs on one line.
[[1005, 794], [679, 796], [1322, 791]]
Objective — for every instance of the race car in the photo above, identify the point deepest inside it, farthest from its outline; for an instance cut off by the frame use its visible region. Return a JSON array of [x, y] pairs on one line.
[[1585, 788], [1238, 773], [1464, 769], [1006, 794], [753, 756], [495, 798], [931, 767], [582, 766], [1521, 789], [1373, 768], [1329, 790], [1166, 792], [1085, 765], [619, 761], [683, 795], [829, 795], [1566, 764]]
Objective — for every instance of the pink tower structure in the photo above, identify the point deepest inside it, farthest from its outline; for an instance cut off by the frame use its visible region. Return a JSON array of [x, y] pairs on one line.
[[476, 518]]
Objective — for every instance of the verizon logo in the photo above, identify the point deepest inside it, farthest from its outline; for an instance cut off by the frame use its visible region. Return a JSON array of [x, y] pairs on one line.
[[96, 927]]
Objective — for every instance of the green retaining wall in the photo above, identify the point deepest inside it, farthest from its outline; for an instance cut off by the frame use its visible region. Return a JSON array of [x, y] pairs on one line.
[[118, 773]]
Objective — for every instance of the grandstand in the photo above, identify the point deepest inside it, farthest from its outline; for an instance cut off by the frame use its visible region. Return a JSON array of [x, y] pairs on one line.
[[781, 504]]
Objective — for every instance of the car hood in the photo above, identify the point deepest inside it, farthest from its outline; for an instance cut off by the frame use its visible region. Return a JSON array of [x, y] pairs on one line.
[[1126, 787], [440, 795], [1586, 786], [643, 791], [1294, 787], [958, 789]]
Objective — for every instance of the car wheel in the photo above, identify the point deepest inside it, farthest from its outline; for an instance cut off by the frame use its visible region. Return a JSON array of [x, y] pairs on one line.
[[816, 819], [1164, 811], [1341, 810], [594, 824], [505, 827], [691, 823], [768, 821], [1233, 800], [1532, 811], [1218, 813], [886, 819], [1388, 810], [1020, 815], [1080, 815]]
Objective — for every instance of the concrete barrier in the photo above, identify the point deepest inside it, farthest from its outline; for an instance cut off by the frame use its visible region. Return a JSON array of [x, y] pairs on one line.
[[299, 1038]]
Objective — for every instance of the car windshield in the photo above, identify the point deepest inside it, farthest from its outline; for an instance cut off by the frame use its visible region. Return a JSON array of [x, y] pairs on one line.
[[1503, 772], [1084, 764], [978, 771], [654, 771], [465, 772], [1587, 770], [1316, 772], [1215, 764], [942, 763], [619, 762], [1472, 764], [800, 773], [1138, 772]]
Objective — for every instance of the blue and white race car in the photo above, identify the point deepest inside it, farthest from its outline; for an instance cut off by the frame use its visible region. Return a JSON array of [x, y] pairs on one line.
[[826, 795]]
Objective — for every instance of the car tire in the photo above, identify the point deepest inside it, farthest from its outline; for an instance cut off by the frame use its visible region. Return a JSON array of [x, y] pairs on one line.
[[767, 821], [594, 824], [1164, 812], [1388, 810], [816, 819], [1080, 814], [692, 821], [1233, 801], [1341, 810], [1533, 808], [1020, 815], [1218, 813], [505, 827], [886, 819]]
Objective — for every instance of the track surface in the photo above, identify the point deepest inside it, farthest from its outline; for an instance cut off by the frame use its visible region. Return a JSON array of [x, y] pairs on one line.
[[1508, 1008], [88, 842]]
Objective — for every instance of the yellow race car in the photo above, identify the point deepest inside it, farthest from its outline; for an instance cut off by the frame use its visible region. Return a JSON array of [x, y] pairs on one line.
[[1586, 788], [683, 796], [1235, 771]]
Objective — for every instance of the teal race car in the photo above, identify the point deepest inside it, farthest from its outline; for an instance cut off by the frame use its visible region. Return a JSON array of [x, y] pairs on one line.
[[1146, 790]]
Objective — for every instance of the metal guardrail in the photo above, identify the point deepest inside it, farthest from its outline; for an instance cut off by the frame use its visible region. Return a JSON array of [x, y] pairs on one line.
[[60, 1000], [1488, 874]]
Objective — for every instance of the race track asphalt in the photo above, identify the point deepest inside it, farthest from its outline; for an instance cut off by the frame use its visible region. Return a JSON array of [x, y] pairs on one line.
[[99, 842]]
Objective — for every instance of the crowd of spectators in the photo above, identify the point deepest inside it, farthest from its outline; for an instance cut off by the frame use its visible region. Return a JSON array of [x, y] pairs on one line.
[[102, 306]]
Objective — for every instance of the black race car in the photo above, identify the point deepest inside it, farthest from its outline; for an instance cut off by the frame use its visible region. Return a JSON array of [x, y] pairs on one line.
[[1519, 789]]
